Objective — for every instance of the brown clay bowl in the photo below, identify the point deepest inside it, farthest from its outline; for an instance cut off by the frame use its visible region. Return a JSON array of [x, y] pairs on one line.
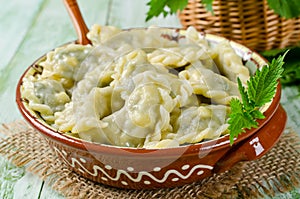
[[138, 168]]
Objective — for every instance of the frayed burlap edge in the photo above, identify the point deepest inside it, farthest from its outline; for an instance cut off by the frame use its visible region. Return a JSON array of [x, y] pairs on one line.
[[277, 171]]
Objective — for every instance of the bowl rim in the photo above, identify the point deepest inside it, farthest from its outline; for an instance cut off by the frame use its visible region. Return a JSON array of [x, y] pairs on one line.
[[215, 144]]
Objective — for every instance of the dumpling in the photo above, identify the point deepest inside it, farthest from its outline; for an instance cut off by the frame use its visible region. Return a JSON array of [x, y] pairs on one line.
[[99, 34], [204, 122], [193, 35], [144, 116], [145, 88], [62, 63], [229, 63], [138, 72], [177, 56], [209, 84], [45, 96]]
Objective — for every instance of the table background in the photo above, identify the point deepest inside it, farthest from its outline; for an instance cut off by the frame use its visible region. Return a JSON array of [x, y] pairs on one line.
[[29, 29]]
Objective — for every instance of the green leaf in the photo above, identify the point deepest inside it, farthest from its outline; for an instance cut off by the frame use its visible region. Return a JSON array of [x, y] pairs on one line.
[[257, 114], [257, 87], [156, 8], [273, 52], [261, 89], [239, 120], [176, 5], [236, 106], [291, 73], [248, 105], [285, 8], [262, 86], [208, 5], [164, 7]]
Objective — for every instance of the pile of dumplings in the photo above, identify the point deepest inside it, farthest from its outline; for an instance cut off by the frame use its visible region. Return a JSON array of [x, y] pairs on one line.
[[144, 88]]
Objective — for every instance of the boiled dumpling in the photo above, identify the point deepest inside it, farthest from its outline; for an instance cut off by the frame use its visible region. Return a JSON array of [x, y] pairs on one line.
[[177, 56], [145, 88], [209, 84], [204, 122], [229, 63], [62, 63]]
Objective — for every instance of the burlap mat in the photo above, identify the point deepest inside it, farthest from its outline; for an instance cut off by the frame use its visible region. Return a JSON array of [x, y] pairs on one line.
[[277, 171]]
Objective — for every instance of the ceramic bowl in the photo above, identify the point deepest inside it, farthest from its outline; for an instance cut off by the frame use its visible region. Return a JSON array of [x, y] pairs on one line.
[[138, 168]]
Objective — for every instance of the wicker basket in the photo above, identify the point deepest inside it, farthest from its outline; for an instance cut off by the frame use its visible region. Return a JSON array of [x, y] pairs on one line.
[[249, 22]]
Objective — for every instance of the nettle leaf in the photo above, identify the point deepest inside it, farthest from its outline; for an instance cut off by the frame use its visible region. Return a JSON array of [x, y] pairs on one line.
[[257, 114], [285, 8], [164, 7], [291, 73], [257, 86], [248, 105], [238, 124], [236, 106], [176, 5], [261, 89], [208, 5], [239, 120], [262, 86], [156, 8]]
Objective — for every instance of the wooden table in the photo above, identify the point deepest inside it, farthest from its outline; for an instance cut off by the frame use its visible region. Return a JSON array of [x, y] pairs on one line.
[[28, 29]]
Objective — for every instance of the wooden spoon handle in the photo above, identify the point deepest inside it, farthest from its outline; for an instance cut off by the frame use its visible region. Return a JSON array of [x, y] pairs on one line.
[[78, 21]]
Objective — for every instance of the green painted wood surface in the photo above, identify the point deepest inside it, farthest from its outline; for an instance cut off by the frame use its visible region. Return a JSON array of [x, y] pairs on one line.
[[9, 175], [129, 14], [27, 187], [28, 29], [12, 33]]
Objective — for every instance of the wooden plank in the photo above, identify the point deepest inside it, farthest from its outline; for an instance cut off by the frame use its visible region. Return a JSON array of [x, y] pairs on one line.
[[9, 175], [12, 32], [132, 13], [48, 193], [51, 28], [94, 12], [28, 187], [291, 103]]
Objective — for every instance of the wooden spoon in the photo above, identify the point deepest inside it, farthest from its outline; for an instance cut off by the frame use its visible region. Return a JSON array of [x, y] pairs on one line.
[[78, 21]]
